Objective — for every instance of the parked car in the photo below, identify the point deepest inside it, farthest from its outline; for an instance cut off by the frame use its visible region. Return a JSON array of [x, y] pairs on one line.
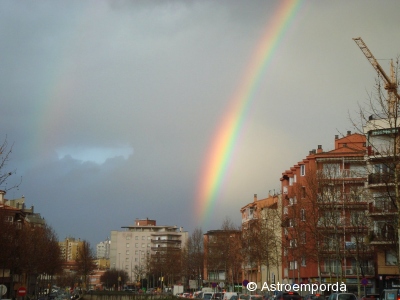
[[207, 295], [309, 297], [244, 297], [228, 295], [389, 294], [217, 296], [372, 297], [234, 297], [256, 297], [288, 296], [343, 296]]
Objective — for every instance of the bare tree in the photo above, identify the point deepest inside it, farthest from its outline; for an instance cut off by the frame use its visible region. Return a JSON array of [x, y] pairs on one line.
[[85, 262]]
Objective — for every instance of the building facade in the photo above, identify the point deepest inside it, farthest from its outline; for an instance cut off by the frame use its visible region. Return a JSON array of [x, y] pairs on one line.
[[261, 224], [103, 249], [223, 259], [382, 159], [132, 248], [325, 217]]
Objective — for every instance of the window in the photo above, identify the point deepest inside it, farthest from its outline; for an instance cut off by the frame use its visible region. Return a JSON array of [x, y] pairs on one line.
[[127, 245], [303, 214], [290, 181], [136, 237], [8, 218], [292, 222], [143, 245], [303, 261], [148, 238], [390, 258], [285, 210], [285, 231], [293, 243], [303, 237], [136, 245], [128, 238], [127, 259], [127, 252], [303, 192], [295, 178], [302, 170], [143, 237], [293, 265], [285, 252]]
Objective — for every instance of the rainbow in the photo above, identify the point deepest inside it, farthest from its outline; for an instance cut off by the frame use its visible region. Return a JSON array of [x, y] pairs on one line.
[[223, 143]]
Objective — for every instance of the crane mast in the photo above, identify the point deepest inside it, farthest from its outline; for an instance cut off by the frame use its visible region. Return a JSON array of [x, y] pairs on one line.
[[390, 82]]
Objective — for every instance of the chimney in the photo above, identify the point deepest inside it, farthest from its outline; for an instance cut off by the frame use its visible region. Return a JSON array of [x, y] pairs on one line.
[[336, 137], [348, 132], [255, 197], [319, 150]]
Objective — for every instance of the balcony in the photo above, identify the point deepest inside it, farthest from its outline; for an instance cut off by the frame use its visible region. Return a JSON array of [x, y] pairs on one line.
[[383, 236], [342, 174], [347, 271], [381, 178], [382, 207]]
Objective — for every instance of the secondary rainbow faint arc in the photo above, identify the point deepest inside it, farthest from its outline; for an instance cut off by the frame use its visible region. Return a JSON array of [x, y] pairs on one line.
[[224, 141]]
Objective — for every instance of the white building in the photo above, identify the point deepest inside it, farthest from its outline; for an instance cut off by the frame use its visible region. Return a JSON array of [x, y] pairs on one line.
[[132, 247], [103, 249]]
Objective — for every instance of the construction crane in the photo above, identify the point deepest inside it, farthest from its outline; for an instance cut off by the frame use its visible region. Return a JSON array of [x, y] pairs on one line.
[[390, 83]]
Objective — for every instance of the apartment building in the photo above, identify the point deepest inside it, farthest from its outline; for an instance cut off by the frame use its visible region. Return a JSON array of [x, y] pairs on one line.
[[261, 223], [103, 249], [132, 247], [222, 259], [325, 217], [70, 248], [382, 132]]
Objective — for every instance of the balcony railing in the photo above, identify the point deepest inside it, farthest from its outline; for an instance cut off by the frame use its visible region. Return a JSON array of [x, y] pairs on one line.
[[381, 178], [342, 173], [348, 271], [382, 206]]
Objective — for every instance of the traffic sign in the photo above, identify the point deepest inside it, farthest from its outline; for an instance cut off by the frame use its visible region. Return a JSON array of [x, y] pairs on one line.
[[21, 291], [3, 289], [364, 281], [245, 282]]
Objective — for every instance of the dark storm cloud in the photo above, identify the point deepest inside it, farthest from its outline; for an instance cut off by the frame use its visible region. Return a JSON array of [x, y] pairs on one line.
[[112, 105]]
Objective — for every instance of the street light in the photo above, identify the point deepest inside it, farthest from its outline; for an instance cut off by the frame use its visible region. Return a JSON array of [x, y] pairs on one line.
[[119, 264]]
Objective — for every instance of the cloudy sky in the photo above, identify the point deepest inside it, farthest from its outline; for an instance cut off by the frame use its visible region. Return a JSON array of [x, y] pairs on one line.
[[113, 107]]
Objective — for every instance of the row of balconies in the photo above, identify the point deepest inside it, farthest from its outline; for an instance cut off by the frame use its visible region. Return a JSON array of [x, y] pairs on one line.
[[338, 271], [342, 173]]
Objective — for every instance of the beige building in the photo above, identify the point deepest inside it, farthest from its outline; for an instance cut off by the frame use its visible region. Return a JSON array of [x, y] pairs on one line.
[[263, 215], [69, 248], [132, 247]]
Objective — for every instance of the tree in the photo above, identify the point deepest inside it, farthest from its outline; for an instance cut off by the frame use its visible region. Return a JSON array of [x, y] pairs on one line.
[[379, 120], [85, 262], [193, 256], [109, 278]]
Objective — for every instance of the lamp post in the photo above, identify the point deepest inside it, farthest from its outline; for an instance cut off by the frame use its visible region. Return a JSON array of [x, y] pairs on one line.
[[119, 264]]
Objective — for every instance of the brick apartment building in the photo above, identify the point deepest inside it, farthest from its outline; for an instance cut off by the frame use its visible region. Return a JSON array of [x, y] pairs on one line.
[[325, 217]]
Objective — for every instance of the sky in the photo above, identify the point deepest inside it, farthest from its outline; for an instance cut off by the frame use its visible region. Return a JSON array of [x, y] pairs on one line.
[[116, 110]]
